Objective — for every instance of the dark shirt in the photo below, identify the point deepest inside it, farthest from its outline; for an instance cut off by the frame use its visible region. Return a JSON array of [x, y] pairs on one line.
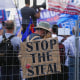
[[27, 12]]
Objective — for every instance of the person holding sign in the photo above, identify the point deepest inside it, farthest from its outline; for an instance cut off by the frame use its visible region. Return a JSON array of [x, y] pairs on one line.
[[42, 31], [40, 58]]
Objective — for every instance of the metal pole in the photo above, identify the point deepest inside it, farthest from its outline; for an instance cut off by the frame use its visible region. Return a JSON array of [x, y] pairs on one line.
[[34, 18], [77, 50]]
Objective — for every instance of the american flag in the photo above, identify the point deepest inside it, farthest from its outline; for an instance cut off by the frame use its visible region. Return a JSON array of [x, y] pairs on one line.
[[64, 6]]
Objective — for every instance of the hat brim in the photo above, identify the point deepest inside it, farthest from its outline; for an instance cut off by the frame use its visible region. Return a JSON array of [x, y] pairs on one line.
[[40, 27]]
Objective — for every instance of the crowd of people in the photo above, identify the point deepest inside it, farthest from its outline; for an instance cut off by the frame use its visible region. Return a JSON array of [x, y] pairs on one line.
[[42, 31]]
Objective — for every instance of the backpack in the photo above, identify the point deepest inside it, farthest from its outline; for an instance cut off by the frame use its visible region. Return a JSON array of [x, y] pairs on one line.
[[62, 51], [6, 51]]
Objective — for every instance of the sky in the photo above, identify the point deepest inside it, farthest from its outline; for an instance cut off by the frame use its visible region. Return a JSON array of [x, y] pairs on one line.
[[22, 2]]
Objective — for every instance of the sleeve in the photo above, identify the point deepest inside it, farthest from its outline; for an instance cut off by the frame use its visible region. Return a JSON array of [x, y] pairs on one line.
[[33, 11]]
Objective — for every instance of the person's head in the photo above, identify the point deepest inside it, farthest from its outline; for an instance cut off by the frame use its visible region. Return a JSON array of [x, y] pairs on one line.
[[55, 29], [27, 2], [9, 25], [43, 28]]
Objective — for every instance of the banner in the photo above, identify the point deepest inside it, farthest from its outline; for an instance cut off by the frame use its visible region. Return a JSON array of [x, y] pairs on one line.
[[64, 6], [49, 16], [55, 17], [61, 19], [6, 4], [40, 57]]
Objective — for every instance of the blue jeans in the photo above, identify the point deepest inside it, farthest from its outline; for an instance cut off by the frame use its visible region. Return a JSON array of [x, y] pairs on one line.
[[72, 68]]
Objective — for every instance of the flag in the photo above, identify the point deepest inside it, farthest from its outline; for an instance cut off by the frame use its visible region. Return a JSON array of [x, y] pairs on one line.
[[3, 15], [64, 6], [29, 30]]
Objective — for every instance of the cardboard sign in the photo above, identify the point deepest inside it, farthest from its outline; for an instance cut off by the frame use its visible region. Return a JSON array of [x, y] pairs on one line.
[[40, 57]]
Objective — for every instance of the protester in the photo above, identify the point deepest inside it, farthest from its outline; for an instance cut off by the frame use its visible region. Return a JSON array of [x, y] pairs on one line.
[[70, 49], [10, 71], [41, 32], [64, 69], [27, 13]]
